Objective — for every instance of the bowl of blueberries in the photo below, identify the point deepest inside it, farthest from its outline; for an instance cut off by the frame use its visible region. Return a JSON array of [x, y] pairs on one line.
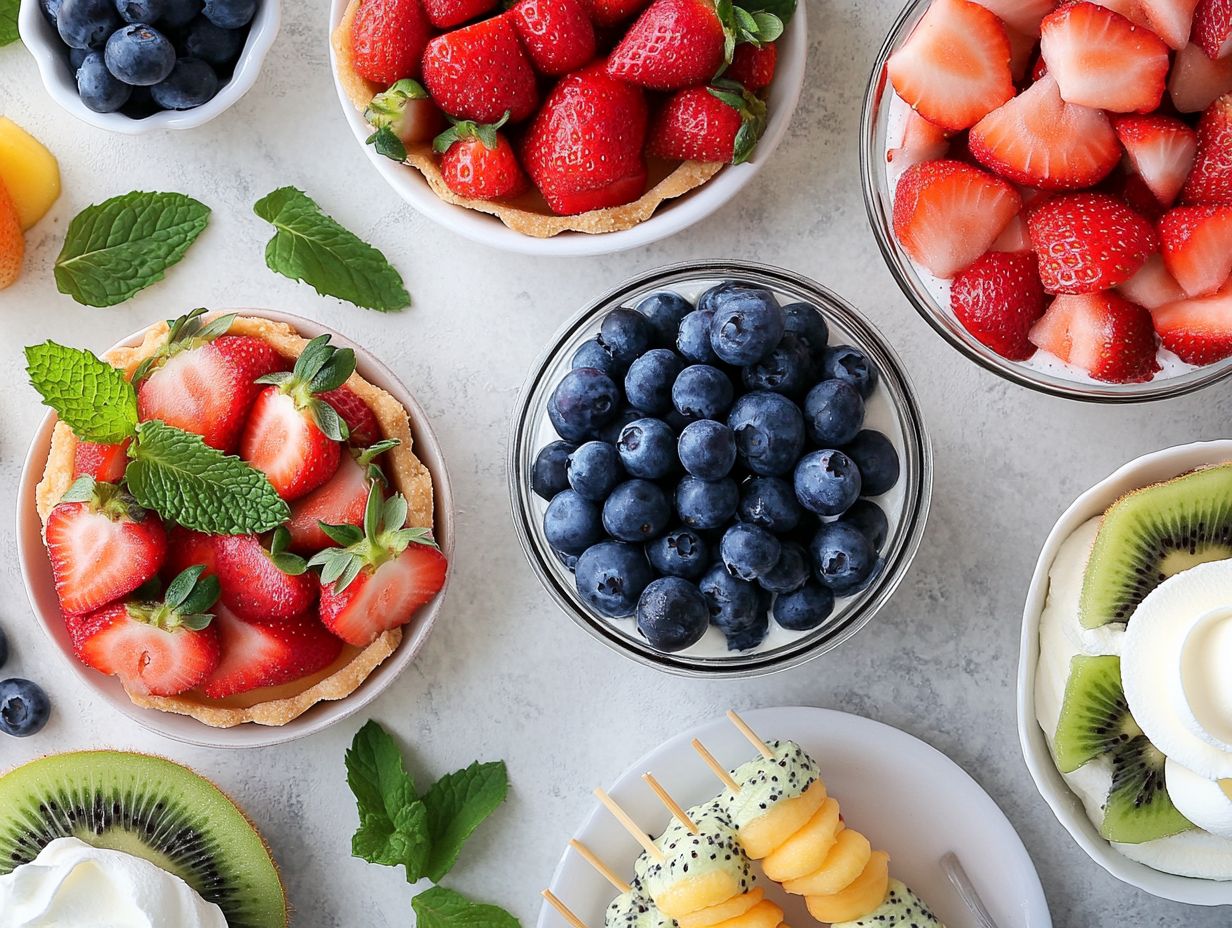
[[135, 66], [720, 469]]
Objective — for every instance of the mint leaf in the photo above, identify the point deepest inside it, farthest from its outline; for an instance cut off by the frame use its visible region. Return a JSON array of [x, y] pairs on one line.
[[393, 823], [783, 9], [8, 21], [312, 247], [457, 804], [183, 479], [118, 247], [443, 908], [88, 394], [401, 840]]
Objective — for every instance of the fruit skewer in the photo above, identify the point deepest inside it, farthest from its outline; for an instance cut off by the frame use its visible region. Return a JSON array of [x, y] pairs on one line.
[[630, 909], [565, 912]]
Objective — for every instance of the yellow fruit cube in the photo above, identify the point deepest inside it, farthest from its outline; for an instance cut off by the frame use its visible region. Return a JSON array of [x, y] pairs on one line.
[[806, 850], [29, 171], [845, 862], [763, 915], [704, 918], [860, 898], [695, 893], [763, 835]]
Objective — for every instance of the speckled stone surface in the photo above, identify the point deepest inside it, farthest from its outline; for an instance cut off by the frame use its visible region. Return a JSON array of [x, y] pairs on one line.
[[506, 674]]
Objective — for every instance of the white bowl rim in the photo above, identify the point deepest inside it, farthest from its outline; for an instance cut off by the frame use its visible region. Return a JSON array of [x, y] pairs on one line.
[[671, 217], [51, 58], [32, 556], [1052, 787]]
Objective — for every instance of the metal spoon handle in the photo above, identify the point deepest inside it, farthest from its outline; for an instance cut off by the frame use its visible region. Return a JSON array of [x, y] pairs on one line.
[[966, 890]]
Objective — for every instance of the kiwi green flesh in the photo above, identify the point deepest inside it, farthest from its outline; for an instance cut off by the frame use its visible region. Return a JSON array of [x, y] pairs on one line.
[[151, 808], [1138, 808], [1095, 717], [1152, 534]]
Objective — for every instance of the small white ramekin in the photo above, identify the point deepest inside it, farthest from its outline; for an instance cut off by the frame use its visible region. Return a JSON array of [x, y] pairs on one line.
[[1148, 469]]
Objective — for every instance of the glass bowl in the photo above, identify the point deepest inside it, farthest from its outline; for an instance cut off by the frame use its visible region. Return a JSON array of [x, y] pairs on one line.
[[893, 409], [883, 114]]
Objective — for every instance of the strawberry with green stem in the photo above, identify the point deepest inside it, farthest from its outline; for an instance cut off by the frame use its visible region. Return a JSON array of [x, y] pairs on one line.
[[263, 584], [722, 122], [478, 162], [340, 501], [400, 116], [480, 72]]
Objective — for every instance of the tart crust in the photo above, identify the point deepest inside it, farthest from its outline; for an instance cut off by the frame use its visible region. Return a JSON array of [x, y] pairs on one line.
[[276, 705], [685, 177]]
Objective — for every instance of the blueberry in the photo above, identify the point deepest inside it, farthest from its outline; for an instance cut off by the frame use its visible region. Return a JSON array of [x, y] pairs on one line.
[[583, 401], [805, 322], [594, 470], [569, 560], [805, 608], [610, 577], [648, 385], [179, 13], [610, 433], [24, 707], [749, 551], [735, 607], [826, 482], [707, 449], [682, 552], [4, 647], [87, 23], [747, 325], [693, 338], [712, 298], [230, 14], [221, 47], [191, 83], [867, 517], [664, 311], [843, 559], [771, 503], [706, 503], [647, 448], [833, 413], [50, 8], [139, 11], [672, 614], [589, 354], [637, 510], [548, 475], [626, 334], [572, 524], [852, 365], [139, 55], [769, 432], [702, 391], [76, 57], [788, 369], [874, 454], [98, 88], [790, 572]]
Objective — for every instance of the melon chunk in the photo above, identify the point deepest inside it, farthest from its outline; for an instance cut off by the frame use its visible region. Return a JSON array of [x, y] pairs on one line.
[[858, 899], [29, 171], [767, 832], [805, 851], [843, 865]]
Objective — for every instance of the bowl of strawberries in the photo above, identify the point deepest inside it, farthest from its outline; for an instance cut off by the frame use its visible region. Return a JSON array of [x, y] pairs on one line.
[[568, 127], [236, 527], [1051, 187]]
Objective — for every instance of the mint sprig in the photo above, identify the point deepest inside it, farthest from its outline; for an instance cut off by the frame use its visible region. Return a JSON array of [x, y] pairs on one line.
[[439, 907], [90, 395], [457, 804], [8, 21], [310, 246], [117, 248]]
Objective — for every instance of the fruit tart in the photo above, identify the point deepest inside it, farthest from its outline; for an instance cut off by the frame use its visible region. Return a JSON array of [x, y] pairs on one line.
[[237, 525], [573, 115]]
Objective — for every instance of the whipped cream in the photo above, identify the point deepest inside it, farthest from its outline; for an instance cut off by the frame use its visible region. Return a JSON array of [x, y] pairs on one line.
[[688, 856], [766, 781], [73, 885]]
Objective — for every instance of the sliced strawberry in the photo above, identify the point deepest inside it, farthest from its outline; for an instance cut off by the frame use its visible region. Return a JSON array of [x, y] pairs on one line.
[[1210, 181], [1101, 59], [1197, 330], [1014, 237], [998, 299], [480, 72], [446, 14], [105, 463], [1137, 195], [954, 68], [1023, 52], [921, 141], [1102, 333], [1152, 286], [558, 35], [1197, 246], [338, 502], [101, 545], [361, 421], [1021, 15], [947, 214], [155, 648], [257, 654], [1212, 28], [1161, 149], [186, 548], [1039, 140], [260, 585], [1169, 19], [1088, 241], [753, 65], [388, 38], [382, 576], [1196, 82]]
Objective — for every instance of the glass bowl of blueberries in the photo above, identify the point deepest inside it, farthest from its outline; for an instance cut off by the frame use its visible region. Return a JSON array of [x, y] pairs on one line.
[[720, 469], [135, 66]]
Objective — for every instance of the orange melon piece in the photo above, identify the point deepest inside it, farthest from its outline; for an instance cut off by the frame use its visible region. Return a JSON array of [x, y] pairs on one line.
[[805, 851], [732, 908], [30, 172], [861, 898], [764, 834], [844, 864], [12, 242], [696, 893], [763, 915]]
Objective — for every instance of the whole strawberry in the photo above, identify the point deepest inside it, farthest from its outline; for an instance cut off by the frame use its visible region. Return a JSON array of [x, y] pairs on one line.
[[584, 149], [753, 65], [445, 14], [609, 13], [105, 463], [679, 43], [362, 426], [480, 72], [998, 299], [260, 584], [388, 38], [1088, 241], [478, 162], [557, 34], [722, 122], [404, 113]]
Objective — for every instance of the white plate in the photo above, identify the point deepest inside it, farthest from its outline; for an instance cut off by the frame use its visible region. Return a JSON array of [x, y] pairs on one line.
[[909, 798]]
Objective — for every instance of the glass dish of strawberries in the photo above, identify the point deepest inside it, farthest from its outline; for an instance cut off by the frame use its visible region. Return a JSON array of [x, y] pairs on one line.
[[1051, 186]]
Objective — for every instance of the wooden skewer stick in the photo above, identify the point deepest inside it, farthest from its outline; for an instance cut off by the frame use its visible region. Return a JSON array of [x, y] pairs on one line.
[[603, 869], [672, 805], [744, 729], [563, 909], [715, 767], [630, 826]]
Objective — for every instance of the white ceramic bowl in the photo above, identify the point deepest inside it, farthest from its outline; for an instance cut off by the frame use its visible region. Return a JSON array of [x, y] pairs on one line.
[[669, 218], [51, 55], [1148, 469], [40, 588]]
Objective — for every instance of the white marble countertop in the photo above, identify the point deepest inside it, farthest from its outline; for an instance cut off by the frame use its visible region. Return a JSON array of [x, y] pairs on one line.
[[506, 674]]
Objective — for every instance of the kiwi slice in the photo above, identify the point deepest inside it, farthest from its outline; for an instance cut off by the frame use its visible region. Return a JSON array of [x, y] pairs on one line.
[[1138, 808], [1095, 717], [151, 808], [1153, 533]]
